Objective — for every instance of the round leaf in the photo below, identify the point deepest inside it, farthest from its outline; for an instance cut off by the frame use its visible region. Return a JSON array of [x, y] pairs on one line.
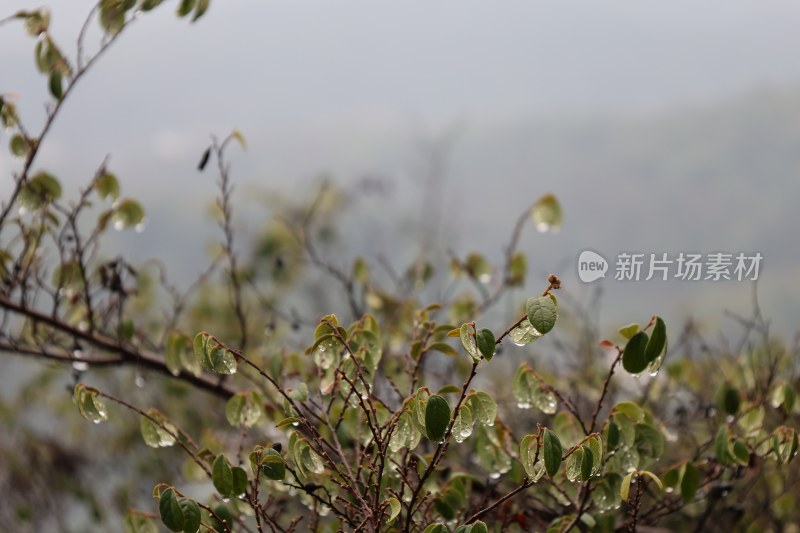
[[170, 510], [552, 452], [437, 417], [542, 312], [222, 476], [634, 360]]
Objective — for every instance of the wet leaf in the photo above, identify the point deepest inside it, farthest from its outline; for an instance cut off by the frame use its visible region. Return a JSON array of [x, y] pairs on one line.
[[542, 312], [634, 360], [127, 214], [170, 510], [222, 476], [486, 343], [546, 213], [437, 418], [191, 515], [690, 482], [160, 434], [552, 452]]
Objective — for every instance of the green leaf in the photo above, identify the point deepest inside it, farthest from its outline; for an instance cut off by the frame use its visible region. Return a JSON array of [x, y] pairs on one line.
[[612, 435], [436, 528], [437, 418], [39, 191], [546, 213], [222, 360], [721, 445], [394, 509], [486, 343], [202, 7], [469, 342], [478, 527], [170, 510], [444, 348], [527, 454], [629, 331], [222, 511], [148, 5], [517, 268], [191, 515], [462, 426], [625, 486], [222, 476], [449, 389], [186, 7], [542, 312], [652, 476], [524, 334], [789, 397], [240, 481], [200, 345], [55, 86], [153, 434], [729, 400], [631, 410], [574, 464], [740, 453], [36, 22], [552, 452], [587, 463], [112, 15], [595, 444], [107, 186], [128, 213], [291, 421], [658, 340], [273, 465], [19, 145], [649, 441], [244, 409], [690, 481], [634, 360], [484, 407], [90, 406]]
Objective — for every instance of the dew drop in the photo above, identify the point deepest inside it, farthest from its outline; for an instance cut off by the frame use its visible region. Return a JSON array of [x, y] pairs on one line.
[[523, 405], [295, 424], [119, 225], [495, 475], [543, 227], [80, 366], [139, 228], [485, 278], [138, 381]]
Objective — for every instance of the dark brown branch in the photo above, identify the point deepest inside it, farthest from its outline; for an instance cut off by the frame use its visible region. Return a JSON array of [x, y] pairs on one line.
[[128, 355]]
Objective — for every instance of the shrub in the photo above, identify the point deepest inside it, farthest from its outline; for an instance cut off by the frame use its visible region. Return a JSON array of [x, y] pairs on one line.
[[395, 413]]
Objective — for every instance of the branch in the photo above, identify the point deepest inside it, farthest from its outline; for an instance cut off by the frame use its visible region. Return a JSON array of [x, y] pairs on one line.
[[127, 355]]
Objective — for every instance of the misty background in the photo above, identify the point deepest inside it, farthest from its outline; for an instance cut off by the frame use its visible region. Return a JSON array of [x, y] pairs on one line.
[[661, 127]]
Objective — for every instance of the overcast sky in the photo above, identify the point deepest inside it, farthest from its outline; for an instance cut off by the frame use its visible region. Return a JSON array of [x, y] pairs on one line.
[[352, 86]]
